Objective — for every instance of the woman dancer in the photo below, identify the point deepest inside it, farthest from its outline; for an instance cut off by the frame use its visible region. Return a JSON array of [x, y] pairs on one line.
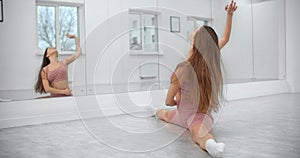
[[53, 74], [197, 86]]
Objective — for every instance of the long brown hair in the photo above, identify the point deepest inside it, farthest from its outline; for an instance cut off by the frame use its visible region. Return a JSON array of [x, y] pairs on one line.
[[39, 87], [206, 62]]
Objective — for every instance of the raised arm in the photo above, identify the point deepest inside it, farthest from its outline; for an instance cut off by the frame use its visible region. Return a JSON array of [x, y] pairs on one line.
[[74, 56], [226, 35]]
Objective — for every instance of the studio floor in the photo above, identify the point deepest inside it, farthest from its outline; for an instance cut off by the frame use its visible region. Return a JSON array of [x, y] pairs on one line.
[[257, 127]]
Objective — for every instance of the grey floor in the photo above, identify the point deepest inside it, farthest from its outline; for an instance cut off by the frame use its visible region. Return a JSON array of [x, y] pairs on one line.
[[259, 127]]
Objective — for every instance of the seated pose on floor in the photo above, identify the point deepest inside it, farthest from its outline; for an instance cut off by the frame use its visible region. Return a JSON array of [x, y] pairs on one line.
[[53, 74], [197, 86]]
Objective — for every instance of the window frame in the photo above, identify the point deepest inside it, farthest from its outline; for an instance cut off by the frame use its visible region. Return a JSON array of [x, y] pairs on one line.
[[56, 5], [194, 19]]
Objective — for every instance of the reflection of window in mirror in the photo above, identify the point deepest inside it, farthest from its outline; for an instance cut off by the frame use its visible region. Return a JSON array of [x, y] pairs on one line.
[[135, 32], [134, 24], [153, 38], [143, 34], [153, 21], [53, 23], [193, 23]]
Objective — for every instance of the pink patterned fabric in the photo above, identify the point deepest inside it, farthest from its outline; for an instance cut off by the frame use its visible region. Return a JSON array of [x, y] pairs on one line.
[[186, 116], [59, 74]]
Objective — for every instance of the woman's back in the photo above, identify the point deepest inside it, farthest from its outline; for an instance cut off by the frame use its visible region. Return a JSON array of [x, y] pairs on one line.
[[188, 94]]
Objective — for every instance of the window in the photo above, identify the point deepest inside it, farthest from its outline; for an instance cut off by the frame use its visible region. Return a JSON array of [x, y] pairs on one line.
[[193, 23], [53, 23], [198, 23], [143, 34]]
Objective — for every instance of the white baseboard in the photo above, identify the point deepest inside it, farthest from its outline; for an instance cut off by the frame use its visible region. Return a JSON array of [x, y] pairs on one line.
[[256, 89], [32, 112]]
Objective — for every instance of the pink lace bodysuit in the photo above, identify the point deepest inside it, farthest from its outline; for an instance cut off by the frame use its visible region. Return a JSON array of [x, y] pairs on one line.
[[59, 74]]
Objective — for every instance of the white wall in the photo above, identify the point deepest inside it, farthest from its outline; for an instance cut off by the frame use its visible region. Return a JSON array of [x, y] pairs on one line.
[[200, 8], [255, 50], [266, 39], [237, 54], [292, 44], [18, 62]]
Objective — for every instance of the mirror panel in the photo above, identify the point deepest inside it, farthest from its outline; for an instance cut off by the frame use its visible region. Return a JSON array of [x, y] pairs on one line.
[[125, 57], [269, 40], [174, 44], [237, 54], [256, 49], [22, 50], [134, 45]]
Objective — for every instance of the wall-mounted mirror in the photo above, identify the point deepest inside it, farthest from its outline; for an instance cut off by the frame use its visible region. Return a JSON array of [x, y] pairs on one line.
[[122, 46], [134, 45], [175, 45], [256, 50], [27, 33]]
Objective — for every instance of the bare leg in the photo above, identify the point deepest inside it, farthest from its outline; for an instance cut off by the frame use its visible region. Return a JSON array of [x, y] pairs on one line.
[[164, 115], [205, 139], [200, 135]]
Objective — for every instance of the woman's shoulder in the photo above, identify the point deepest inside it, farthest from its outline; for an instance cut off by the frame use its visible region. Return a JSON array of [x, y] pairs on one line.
[[64, 62], [183, 65], [45, 68], [181, 68]]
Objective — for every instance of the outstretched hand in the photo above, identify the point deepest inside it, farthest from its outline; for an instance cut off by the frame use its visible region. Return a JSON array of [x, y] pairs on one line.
[[70, 36], [231, 8]]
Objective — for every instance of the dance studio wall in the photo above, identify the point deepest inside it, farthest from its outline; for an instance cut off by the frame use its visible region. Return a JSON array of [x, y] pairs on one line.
[[256, 49], [292, 47], [113, 16], [17, 47], [19, 62]]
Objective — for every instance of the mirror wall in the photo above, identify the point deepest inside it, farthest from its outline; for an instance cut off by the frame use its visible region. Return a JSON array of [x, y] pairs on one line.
[[134, 45], [256, 50], [122, 46]]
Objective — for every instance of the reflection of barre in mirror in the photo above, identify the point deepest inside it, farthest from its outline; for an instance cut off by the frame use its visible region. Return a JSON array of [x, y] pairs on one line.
[[196, 86], [53, 74]]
